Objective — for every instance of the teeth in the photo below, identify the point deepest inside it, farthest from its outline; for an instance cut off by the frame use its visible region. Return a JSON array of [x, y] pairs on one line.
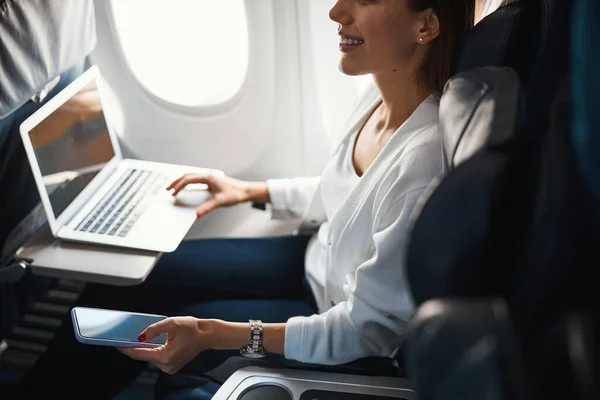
[[351, 41]]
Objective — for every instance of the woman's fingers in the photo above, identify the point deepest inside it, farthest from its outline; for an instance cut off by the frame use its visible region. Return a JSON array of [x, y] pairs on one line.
[[179, 184], [185, 341], [157, 329], [174, 183], [152, 355], [160, 356], [207, 207]]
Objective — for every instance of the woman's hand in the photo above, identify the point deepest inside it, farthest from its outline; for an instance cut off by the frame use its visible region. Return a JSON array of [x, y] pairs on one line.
[[186, 338], [226, 191]]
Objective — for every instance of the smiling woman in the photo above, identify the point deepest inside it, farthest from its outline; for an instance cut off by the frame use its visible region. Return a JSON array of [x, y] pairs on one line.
[[202, 44], [335, 293]]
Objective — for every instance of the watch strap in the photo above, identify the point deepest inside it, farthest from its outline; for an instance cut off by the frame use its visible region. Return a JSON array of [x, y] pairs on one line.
[[255, 347]]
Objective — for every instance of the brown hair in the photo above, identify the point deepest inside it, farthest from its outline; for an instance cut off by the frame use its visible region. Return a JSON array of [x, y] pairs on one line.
[[456, 18]]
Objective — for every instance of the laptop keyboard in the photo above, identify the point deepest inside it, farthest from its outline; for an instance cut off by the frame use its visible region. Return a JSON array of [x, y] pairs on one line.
[[122, 206]]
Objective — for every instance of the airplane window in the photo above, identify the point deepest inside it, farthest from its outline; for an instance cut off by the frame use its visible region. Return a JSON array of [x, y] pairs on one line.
[[187, 52]]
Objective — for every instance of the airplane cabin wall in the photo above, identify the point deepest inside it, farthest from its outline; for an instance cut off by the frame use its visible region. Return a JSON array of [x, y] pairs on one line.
[[284, 121]]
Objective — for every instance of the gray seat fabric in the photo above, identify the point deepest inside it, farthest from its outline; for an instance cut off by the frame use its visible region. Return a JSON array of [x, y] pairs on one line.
[[478, 109], [478, 113], [40, 39]]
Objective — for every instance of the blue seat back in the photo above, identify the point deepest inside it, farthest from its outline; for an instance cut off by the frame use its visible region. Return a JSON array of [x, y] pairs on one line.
[[586, 92]]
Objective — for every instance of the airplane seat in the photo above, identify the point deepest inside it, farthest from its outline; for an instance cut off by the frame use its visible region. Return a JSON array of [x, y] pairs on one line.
[[43, 47], [482, 105], [585, 91], [510, 36], [526, 325], [479, 111]]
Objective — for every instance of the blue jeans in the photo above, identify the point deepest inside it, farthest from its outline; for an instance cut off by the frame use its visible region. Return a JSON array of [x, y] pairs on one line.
[[229, 279]]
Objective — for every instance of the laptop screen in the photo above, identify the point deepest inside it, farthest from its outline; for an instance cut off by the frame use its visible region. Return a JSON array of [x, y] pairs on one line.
[[71, 146]]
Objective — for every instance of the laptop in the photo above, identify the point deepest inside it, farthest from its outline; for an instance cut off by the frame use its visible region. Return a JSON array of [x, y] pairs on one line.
[[90, 193]]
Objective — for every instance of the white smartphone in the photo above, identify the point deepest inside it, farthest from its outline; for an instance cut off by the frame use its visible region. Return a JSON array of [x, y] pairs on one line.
[[114, 328]]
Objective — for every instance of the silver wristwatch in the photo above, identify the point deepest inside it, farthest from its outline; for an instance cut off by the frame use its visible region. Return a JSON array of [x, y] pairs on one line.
[[255, 347]]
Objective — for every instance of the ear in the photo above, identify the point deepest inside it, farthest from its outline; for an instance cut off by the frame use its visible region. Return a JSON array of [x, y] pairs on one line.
[[429, 27]]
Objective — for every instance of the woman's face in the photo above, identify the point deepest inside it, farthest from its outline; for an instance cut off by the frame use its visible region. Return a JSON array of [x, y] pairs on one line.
[[375, 35]]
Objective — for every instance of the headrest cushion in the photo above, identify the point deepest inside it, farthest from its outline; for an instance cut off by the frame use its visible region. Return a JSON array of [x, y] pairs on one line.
[[478, 108]]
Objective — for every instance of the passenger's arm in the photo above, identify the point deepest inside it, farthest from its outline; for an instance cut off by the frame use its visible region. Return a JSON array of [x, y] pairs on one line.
[[188, 336], [291, 197], [373, 320], [371, 323], [234, 336]]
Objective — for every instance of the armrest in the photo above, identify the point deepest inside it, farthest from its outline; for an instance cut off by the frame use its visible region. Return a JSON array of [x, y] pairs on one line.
[[372, 378], [269, 383], [370, 366], [383, 367]]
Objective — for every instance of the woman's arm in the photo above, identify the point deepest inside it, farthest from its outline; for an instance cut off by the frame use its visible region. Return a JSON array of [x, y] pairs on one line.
[[188, 336], [370, 323], [235, 335], [288, 197], [257, 192], [291, 197]]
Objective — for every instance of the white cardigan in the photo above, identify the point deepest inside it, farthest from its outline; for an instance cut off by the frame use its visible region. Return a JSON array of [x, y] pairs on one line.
[[366, 300]]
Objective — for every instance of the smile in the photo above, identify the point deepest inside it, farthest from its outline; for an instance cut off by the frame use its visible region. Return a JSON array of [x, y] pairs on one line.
[[348, 43]]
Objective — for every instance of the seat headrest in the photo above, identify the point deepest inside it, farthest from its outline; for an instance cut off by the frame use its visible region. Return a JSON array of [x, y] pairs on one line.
[[509, 37], [478, 111], [478, 108]]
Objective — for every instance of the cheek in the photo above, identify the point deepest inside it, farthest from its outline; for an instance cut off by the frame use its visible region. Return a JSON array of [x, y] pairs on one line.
[[391, 43]]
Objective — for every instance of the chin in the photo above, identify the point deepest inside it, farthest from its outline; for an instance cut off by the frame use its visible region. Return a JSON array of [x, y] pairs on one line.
[[350, 69]]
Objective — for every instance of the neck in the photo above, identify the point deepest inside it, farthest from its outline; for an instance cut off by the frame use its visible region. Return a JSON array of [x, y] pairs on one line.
[[401, 95]]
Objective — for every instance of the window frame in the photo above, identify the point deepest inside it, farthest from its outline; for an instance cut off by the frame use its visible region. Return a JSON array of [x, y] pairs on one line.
[[192, 111]]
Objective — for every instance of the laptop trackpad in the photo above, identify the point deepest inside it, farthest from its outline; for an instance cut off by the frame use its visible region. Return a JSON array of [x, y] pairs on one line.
[[192, 198]]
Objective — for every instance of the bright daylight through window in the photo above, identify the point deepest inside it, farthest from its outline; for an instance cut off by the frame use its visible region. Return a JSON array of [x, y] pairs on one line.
[[188, 52]]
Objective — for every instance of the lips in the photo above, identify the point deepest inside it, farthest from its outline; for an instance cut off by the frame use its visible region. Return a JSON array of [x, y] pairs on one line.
[[347, 36]]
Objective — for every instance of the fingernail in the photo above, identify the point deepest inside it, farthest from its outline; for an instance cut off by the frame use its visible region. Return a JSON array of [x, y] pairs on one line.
[[142, 337], [199, 214]]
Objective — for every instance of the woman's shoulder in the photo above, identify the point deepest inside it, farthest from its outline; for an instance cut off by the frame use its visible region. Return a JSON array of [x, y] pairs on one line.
[[425, 140], [417, 165]]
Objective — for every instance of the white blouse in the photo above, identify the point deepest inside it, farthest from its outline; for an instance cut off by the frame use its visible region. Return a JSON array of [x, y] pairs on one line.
[[355, 262], [338, 179]]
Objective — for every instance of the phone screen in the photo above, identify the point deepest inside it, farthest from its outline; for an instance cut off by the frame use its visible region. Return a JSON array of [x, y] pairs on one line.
[[115, 325]]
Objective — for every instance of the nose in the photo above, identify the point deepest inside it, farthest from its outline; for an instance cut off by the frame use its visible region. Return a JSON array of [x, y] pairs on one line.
[[340, 12]]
